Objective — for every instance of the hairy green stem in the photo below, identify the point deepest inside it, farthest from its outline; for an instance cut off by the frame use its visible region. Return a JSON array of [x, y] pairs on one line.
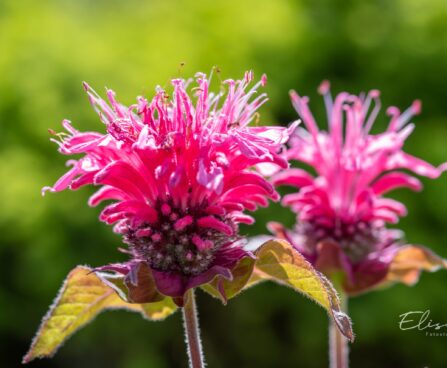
[[192, 332], [338, 344]]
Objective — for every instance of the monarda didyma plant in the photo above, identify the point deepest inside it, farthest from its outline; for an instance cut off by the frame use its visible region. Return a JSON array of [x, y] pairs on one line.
[[180, 173], [342, 214]]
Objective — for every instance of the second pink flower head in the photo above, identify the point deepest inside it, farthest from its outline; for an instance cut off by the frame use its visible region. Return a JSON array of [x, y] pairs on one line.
[[341, 208]]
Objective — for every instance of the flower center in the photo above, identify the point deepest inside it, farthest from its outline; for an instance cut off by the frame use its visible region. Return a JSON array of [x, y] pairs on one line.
[[176, 242], [357, 240]]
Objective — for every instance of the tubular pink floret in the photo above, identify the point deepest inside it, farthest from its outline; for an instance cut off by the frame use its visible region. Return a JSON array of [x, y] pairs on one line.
[[182, 223], [201, 244], [213, 223], [263, 80], [324, 87], [165, 209]]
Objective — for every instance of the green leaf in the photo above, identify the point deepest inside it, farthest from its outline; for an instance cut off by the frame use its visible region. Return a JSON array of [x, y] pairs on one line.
[[82, 297], [278, 261]]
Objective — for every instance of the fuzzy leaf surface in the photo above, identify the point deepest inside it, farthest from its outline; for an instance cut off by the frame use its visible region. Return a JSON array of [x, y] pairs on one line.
[[278, 261], [81, 298]]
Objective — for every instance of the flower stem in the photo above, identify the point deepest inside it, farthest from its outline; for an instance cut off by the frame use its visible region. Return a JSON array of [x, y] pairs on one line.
[[192, 332], [338, 344]]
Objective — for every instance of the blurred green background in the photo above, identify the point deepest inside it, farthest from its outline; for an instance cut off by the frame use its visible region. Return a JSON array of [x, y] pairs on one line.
[[47, 48]]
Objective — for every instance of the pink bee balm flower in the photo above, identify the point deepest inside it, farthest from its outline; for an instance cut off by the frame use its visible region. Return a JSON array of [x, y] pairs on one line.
[[179, 174], [341, 210]]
